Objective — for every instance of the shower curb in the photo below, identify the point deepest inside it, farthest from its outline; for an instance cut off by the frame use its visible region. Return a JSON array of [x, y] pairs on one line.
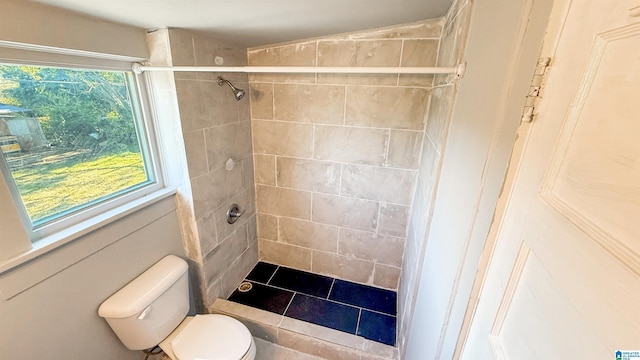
[[303, 336]]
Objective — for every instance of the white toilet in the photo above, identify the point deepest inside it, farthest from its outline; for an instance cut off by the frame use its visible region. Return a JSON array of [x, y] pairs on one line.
[[151, 310]]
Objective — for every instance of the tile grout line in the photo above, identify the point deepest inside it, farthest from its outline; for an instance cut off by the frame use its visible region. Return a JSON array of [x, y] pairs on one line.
[[289, 304], [272, 275], [331, 288]]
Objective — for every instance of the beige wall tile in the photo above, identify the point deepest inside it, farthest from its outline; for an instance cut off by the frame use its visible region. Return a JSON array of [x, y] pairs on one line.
[[207, 233], [252, 230], [386, 107], [247, 171], [299, 54], [393, 220], [220, 105], [341, 211], [215, 188], [323, 104], [311, 175], [261, 100], [226, 142], [282, 138], [342, 267], [214, 291], [283, 202], [420, 52], [193, 113], [182, 52], [267, 226], [429, 168], [313, 346], [376, 183], [285, 254], [359, 52], [430, 28], [417, 80], [244, 105], [194, 143], [221, 258], [370, 246], [350, 144], [404, 149], [359, 79], [454, 35], [239, 269], [265, 169], [246, 201], [283, 78], [308, 234], [207, 48], [439, 113], [386, 276]]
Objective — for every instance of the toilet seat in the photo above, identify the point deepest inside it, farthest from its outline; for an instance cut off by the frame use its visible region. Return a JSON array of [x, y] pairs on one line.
[[210, 337]]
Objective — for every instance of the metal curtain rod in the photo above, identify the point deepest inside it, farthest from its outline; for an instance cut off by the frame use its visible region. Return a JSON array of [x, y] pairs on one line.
[[458, 70]]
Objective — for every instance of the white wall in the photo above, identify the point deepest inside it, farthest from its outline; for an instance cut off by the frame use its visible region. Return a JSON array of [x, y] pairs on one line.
[[501, 54], [35, 24]]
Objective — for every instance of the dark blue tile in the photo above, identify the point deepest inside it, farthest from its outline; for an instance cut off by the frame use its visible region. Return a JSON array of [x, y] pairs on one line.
[[324, 313], [302, 281], [264, 297], [262, 272], [364, 296], [377, 327]]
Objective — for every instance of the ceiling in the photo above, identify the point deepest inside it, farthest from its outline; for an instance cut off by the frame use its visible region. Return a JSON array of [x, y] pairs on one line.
[[259, 22]]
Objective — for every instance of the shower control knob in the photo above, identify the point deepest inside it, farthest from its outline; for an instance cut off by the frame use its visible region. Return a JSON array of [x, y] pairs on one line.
[[233, 213]]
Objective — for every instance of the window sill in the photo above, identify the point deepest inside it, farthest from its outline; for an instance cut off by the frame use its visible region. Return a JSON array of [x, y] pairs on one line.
[[10, 287]]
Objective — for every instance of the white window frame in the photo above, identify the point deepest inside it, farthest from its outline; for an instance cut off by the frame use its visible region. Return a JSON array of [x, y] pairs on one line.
[[19, 241]]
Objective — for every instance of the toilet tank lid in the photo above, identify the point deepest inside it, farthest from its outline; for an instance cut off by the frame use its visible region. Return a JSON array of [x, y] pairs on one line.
[[143, 290]]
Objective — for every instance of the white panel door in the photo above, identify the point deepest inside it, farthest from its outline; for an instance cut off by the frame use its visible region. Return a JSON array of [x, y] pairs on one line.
[[563, 273]]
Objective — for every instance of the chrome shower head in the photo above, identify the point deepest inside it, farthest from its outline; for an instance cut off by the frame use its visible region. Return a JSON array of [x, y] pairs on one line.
[[238, 93]]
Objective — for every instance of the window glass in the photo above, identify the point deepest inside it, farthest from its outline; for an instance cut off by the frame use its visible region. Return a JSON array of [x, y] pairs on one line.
[[72, 138]]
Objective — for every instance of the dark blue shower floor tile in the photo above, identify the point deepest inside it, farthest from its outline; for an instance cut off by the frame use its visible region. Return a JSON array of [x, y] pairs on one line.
[[262, 272], [322, 300], [264, 297], [377, 327], [302, 281], [364, 296], [323, 312]]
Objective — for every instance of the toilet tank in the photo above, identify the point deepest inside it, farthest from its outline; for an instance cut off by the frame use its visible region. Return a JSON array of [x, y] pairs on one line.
[[151, 306]]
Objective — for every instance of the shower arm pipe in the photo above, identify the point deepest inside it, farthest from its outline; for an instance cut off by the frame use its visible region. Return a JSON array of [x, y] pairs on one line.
[[458, 70]]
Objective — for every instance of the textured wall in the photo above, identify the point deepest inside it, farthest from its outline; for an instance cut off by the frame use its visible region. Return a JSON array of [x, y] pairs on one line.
[[216, 128], [337, 156], [454, 36]]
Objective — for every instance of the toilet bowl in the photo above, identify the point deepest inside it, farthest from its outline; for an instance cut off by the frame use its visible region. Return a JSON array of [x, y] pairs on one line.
[[210, 337], [152, 310]]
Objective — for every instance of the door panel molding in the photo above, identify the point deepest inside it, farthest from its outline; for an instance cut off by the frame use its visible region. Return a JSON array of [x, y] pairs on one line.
[[598, 190]]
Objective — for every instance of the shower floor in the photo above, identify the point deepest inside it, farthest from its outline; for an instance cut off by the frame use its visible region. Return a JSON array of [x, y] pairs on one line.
[[341, 305]]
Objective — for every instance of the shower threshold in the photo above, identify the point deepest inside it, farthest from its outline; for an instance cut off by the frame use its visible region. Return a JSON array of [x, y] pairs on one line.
[[348, 307]]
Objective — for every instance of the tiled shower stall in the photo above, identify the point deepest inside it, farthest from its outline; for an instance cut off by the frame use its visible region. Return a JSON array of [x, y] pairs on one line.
[[336, 172]]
